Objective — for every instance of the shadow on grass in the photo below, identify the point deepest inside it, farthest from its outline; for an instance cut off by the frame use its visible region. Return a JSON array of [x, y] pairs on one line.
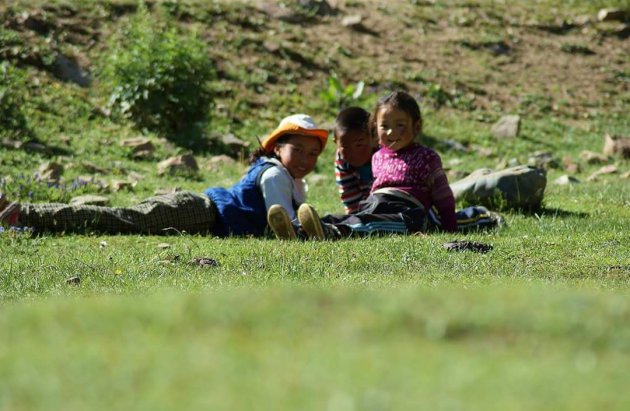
[[553, 212]]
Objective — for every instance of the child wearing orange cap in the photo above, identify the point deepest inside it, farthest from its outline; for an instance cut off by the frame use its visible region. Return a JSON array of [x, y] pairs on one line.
[[275, 178]]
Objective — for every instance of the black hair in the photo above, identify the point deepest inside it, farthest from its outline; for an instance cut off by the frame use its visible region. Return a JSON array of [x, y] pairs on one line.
[[350, 119], [400, 100], [261, 152]]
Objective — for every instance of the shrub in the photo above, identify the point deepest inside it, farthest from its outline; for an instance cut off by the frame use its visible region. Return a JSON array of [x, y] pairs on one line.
[[12, 98], [159, 76]]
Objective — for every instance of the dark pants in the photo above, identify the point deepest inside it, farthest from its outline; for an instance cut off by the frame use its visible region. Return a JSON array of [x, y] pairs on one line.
[[381, 214], [163, 214]]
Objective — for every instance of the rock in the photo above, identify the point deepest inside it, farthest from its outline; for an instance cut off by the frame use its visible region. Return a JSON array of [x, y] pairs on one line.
[[134, 142], [50, 172], [612, 15], [318, 7], [219, 162], [90, 199], [11, 144], [135, 177], [117, 185], [543, 159], [142, 147], [205, 262], [616, 145], [163, 246], [566, 180], [570, 166], [516, 187], [67, 69], [185, 163], [609, 169], [35, 147], [455, 145], [76, 280], [507, 127], [484, 151], [93, 168], [352, 21], [593, 158], [626, 175]]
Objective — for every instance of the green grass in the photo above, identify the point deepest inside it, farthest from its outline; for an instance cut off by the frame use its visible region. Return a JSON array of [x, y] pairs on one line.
[[321, 348], [540, 322]]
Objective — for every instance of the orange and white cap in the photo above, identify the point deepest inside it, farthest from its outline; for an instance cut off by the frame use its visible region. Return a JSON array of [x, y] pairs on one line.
[[296, 124]]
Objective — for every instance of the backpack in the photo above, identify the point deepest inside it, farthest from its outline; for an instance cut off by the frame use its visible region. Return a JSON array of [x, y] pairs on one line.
[[520, 187]]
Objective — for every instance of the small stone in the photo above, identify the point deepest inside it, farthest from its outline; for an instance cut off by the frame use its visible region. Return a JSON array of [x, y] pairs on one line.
[[612, 15], [50, 171], [68, 69], [185, 163], [205, 262], [102, 244], [485, 151], [117, 185], [142, 147], [507, 127], [90, 199], [93, 168], [566, 180], [593, 158], [163, 246], [352, 21], [76, 280], [609, 169], [543, 159], [616, 145], [570, 166], [11, 144]]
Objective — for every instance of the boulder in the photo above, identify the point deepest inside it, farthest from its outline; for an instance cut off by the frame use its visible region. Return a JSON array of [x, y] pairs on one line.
[[616, 146], [185, 163], [520, 187], [507, 127]]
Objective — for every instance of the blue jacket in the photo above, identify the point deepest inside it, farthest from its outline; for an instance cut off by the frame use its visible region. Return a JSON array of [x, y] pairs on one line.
[[241, 208]]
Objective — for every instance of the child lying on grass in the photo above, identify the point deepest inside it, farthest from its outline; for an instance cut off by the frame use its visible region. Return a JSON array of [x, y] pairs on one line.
[[275, 177]]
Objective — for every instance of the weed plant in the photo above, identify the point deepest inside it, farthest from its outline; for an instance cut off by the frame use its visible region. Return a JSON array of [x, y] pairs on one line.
[[159, 77]]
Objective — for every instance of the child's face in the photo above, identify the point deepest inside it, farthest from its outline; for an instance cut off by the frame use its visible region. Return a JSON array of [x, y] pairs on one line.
[[299, 154], [355, 147], [395, 128]]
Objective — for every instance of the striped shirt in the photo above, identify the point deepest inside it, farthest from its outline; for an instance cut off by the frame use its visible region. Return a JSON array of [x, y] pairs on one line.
[[353, 183], [416, 170]]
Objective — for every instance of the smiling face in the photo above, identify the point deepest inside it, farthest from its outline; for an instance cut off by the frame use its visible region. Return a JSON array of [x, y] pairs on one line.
[[355, 147], [299, 154], [395, 128]]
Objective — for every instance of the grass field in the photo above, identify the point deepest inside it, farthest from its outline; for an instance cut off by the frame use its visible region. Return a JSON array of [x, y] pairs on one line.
[[130, 322]]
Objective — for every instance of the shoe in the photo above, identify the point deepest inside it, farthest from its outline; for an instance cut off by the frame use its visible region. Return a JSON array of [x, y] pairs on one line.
[[309, 219], [9, 212], [280, 223]]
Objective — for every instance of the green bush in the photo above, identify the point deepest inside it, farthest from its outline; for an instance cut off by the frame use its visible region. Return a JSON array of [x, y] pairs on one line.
[[159, 77], [12, 98]]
